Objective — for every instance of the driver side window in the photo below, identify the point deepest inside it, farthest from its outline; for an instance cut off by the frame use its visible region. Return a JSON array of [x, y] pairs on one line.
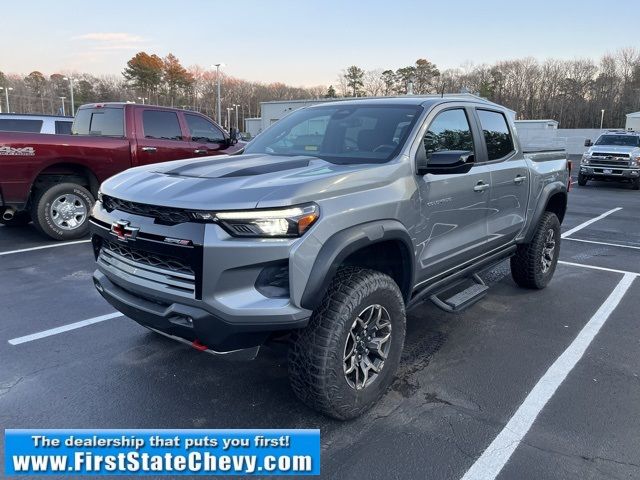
[[450, 130]]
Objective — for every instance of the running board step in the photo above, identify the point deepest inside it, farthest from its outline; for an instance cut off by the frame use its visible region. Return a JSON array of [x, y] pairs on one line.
[[462, 298]]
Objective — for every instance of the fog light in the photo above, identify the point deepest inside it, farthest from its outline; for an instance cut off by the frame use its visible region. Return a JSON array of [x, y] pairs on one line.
[[273, 281]]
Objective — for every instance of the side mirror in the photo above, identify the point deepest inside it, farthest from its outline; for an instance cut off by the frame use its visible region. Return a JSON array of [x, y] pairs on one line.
[[588, 143], [234, 135], [444, 162]]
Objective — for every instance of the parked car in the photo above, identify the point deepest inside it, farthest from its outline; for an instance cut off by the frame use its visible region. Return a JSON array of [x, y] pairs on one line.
[[12, 122], [336, 219], [615, 156], [53, 180]]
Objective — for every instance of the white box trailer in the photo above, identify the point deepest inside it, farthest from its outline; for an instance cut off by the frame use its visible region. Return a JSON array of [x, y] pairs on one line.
[[633, 121], [535, 134]]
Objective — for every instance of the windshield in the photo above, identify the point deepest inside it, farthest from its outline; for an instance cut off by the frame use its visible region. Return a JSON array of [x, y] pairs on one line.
[[340, 133], [619, 140]]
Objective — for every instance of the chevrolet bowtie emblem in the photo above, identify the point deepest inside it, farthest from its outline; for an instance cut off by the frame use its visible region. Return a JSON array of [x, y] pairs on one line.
[[124, 231]]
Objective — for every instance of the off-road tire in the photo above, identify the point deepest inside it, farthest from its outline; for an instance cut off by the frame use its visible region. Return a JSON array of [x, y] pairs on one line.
[[20, 219], [635, 184], [582, 180], [526, 264], [41, 213], [316, 355]]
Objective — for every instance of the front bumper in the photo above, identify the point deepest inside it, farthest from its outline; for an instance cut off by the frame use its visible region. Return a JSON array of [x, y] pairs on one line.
[[616, 172], [182, 322], [210, 299]]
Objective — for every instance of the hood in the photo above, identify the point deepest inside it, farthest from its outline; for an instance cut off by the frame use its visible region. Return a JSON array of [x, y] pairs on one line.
[[237, 182], [613, 149]]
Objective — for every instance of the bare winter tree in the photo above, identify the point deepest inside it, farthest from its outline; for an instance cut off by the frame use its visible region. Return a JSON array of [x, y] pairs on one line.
[[373, 83]]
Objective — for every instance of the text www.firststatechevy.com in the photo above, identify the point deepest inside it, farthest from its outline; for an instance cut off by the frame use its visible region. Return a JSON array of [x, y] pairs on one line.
[[167, 462]]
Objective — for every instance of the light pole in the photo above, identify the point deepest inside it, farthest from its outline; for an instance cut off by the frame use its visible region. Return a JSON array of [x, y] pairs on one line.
[[601, 118], [73, 107], [6, 96], [143, 99], [410, 86], [236, 105], [218, 110], [62, 99], [229, 109]]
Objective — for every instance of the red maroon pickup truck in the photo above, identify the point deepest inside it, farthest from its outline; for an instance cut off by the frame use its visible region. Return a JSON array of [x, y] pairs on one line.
[[53, 180]]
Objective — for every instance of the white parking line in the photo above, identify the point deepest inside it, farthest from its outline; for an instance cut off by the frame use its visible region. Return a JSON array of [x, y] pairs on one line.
[[43, 247], [601, 243], [594, 267], [589, 222], [64, 328], [495, 457]]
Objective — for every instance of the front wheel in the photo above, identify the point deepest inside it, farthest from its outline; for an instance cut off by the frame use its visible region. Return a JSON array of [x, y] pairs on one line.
[[62, 211], [346, 358], [534, 263], [582, 180], [635, 185]]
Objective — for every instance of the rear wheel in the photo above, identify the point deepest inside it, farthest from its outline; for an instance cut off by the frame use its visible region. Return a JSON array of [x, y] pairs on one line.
[[582, 180], [346, 358], [20, 219], [534, 263], [61, 211]]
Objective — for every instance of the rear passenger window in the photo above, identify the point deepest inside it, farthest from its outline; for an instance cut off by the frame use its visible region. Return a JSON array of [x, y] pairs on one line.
[[449, 131], [161, 125], [496, 134], [63, 128]]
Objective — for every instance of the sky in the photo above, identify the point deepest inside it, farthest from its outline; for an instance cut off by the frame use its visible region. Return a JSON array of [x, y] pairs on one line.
[[305, 42]]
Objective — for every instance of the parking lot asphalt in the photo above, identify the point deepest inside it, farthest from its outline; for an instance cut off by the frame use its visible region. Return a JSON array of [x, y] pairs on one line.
[[462, 379]]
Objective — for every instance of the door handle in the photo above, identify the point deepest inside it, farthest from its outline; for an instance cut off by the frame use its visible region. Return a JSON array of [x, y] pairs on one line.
[[519, 179], [200, 150], [481, 186], [149, 149]]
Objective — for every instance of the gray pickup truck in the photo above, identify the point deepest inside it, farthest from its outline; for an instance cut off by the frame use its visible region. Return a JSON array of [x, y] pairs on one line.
[[615, 155], [334, 222]]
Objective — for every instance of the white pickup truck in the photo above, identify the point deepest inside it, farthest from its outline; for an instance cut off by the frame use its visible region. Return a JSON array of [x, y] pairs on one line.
[[53, 124], [615, 155]]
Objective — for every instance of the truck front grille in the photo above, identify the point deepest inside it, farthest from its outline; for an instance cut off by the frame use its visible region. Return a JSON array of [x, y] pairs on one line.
[[163, 272], [165, 215], [614, 155], [612, 162]]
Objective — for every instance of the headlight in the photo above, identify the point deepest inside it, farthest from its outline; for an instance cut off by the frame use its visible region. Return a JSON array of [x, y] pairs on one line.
[[285, 222], [99, 196], [585, 159], [635, 161]]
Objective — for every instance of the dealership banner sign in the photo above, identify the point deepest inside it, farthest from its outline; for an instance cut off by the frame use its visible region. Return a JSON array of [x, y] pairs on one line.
[[162, 452]]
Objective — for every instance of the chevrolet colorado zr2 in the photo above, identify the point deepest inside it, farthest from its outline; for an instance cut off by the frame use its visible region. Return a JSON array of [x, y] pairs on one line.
[[334, 222]]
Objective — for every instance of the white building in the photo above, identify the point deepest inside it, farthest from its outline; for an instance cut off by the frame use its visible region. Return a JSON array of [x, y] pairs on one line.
[[253, 126], [274, 111], [633, 121]]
